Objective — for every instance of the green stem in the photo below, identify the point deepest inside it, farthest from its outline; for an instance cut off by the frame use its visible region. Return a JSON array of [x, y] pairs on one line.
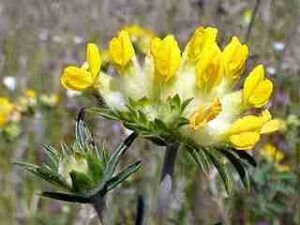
[[166, 182], [254, 12]]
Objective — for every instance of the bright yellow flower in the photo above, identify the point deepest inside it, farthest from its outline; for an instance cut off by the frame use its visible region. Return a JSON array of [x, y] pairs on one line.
[[257, 90], [166, 56], [208, 73], [121, 50], [205, 114], [245, 132], [84, 77], [6, 108], [201, 38], [234, 57]]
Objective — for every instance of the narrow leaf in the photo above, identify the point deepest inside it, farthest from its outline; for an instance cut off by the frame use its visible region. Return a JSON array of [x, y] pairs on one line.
[[67, 197], [123, 175]]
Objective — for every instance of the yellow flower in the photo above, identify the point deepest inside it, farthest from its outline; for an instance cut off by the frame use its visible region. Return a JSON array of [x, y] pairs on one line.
[[140, 36], [166, 56], [205, 114], [233, 59], [257, 90], [283, 168], [84, 77], [121, 50], [6, 108], [273, 154], [208, 73], [201, 38], [245, 132]]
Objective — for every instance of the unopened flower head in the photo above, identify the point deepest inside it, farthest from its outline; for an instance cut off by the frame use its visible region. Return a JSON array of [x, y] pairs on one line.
[[202, 78]]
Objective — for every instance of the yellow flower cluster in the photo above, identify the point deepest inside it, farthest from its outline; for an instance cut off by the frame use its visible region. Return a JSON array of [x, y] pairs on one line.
[[203, 71], [272, 154]]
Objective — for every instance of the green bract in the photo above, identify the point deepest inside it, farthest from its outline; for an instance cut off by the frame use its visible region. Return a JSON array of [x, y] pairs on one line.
[[82, 170]]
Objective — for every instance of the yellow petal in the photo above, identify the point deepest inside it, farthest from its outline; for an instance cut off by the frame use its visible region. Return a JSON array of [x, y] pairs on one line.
[[205, 114], [245, 140], [234, 57], [166, 56], [261, 94], [93, 59], [121, 50], [270, 127], [247, 123], [74, 78], [198, 42], [208, 73], [257, 90]]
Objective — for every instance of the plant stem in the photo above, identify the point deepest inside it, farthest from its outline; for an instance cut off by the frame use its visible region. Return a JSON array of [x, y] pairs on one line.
[[254, 12], [99, 205], [166, 181]]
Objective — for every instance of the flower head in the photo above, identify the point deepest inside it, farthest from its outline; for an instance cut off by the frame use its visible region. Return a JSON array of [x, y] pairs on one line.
[[188, 97]]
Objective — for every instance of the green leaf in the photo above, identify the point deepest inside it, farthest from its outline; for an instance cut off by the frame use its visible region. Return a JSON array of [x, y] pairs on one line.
[[176, 102], [244, 155], [105, 113], [238, 165], [200, 159], [67, 197], [123, 175], [185, 104], [220, 165], [156, 140], [80, 181], [114, 159], [80, 132], [46, 173], [53, 156], [160, 125]]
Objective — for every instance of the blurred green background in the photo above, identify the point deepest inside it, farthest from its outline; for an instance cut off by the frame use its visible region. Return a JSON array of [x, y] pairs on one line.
[[39, 37]]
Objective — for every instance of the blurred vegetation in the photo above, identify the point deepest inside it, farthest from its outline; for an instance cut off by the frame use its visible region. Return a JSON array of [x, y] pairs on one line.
[[38, 38]]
